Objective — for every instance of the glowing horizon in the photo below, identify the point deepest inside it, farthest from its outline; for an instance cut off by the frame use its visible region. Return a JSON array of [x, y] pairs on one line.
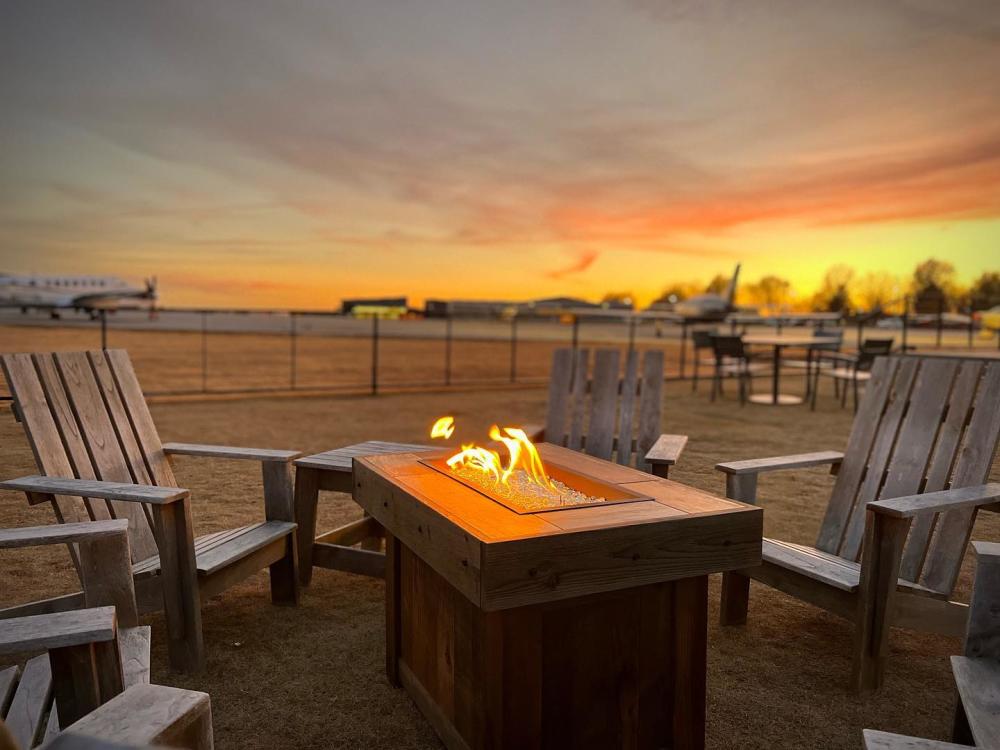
[[255, 157]]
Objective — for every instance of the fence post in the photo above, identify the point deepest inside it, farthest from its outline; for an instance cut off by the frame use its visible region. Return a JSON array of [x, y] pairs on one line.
[[204, 351], [447, 350], [971, 331], [906, 321], [576, 332], [940, 321], [104, 330], [292, 343], [631, 333], [684, 339], [374, 355], [513, 348]]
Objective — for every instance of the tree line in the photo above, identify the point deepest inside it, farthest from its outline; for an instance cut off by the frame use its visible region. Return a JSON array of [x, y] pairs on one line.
[[932, 286]]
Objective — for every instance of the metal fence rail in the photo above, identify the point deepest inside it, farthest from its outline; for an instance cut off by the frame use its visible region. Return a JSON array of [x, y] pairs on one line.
[[202, 351]]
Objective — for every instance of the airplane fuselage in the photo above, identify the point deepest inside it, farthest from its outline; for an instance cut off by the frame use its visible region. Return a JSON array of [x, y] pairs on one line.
[[73, 292]]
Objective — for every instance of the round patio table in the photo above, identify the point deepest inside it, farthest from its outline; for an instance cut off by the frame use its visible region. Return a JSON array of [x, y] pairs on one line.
[[803, 341]]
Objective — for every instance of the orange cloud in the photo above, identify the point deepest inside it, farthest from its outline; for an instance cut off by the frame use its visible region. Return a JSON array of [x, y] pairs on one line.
[[584, 260]]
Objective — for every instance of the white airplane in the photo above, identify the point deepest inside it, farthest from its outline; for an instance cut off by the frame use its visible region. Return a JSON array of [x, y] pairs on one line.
[[89, 294]]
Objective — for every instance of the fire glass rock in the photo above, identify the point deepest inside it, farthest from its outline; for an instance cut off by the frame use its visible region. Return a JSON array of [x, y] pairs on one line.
[[526, 494]]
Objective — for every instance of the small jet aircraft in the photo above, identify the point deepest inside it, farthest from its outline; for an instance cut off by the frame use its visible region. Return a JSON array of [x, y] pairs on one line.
[[710, 307], [90, 294]]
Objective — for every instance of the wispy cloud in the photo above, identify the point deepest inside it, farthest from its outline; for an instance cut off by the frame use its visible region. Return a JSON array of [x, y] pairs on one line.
[[584, 260]]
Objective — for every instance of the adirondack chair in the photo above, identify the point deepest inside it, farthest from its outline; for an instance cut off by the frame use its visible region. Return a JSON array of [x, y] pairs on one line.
[[569, 385], [139, 716], [977, 673], [95, 442], [102, 547], [926, 425], [96, 670]]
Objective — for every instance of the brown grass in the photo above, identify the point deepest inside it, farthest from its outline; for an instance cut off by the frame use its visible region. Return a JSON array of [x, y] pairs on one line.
[[313, 676]]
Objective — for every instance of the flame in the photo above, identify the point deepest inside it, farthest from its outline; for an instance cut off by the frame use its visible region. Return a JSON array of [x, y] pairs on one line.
[[444, 427], [522, 454]]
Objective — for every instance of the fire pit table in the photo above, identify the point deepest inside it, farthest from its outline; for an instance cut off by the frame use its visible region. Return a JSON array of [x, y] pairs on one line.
[[583, 626]]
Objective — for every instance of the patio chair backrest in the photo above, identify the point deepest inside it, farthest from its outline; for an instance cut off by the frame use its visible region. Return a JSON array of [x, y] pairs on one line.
[[610, 398], [85, 416], [870, 349], [728, 346], [835, 336], [924, 424], [702, 339]]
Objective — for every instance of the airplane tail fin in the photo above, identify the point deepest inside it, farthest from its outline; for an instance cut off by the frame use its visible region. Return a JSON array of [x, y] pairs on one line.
[[731, 291]]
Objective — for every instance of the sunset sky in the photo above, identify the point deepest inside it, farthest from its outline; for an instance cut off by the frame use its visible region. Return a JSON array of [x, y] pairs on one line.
[[291, 154]]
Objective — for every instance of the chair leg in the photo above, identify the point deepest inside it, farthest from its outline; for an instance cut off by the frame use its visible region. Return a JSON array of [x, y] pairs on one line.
[[694, 380], [882, 551], [961, 732], [855, 395], [735, 599], [716, 376], [843, 395], [285, 575]]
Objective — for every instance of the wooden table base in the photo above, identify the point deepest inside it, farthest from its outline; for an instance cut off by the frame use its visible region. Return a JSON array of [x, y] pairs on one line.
[[618, 669]]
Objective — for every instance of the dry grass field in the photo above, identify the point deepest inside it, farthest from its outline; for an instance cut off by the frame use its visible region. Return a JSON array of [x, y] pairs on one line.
[[312, 676]]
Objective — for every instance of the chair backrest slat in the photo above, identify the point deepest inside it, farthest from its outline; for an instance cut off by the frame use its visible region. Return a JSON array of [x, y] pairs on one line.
[[925, 424], [43, 437], [625, 418], [106, 451], [141, 420], [611, 400], [859, 446], [972, 466], [560, 382], [604, 404], [119, 419], [939, 467], [918, 399], [650, 405], [578, 397]]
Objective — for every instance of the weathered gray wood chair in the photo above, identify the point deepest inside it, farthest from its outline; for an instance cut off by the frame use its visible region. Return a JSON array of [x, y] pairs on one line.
[[925, 425], [98, 657], [95, 442], [140, 715], [613, 403], [977, 673]]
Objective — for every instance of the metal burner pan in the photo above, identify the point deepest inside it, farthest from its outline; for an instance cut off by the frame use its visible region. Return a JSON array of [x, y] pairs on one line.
[[613, 494]]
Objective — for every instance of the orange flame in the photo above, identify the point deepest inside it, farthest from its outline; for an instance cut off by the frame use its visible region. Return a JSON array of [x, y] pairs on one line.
[[444, 427], [522, 454]]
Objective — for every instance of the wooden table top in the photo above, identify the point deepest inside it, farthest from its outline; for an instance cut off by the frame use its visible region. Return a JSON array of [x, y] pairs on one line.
[[789, 340], [500, 558], [339, 459]]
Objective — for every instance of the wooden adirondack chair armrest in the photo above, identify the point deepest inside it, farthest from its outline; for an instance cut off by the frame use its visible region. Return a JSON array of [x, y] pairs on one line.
[[58, 629], [936, 502], [987, 551], [230, 452], [667, 449], [41, 489], [61, 533], [781, 463]]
